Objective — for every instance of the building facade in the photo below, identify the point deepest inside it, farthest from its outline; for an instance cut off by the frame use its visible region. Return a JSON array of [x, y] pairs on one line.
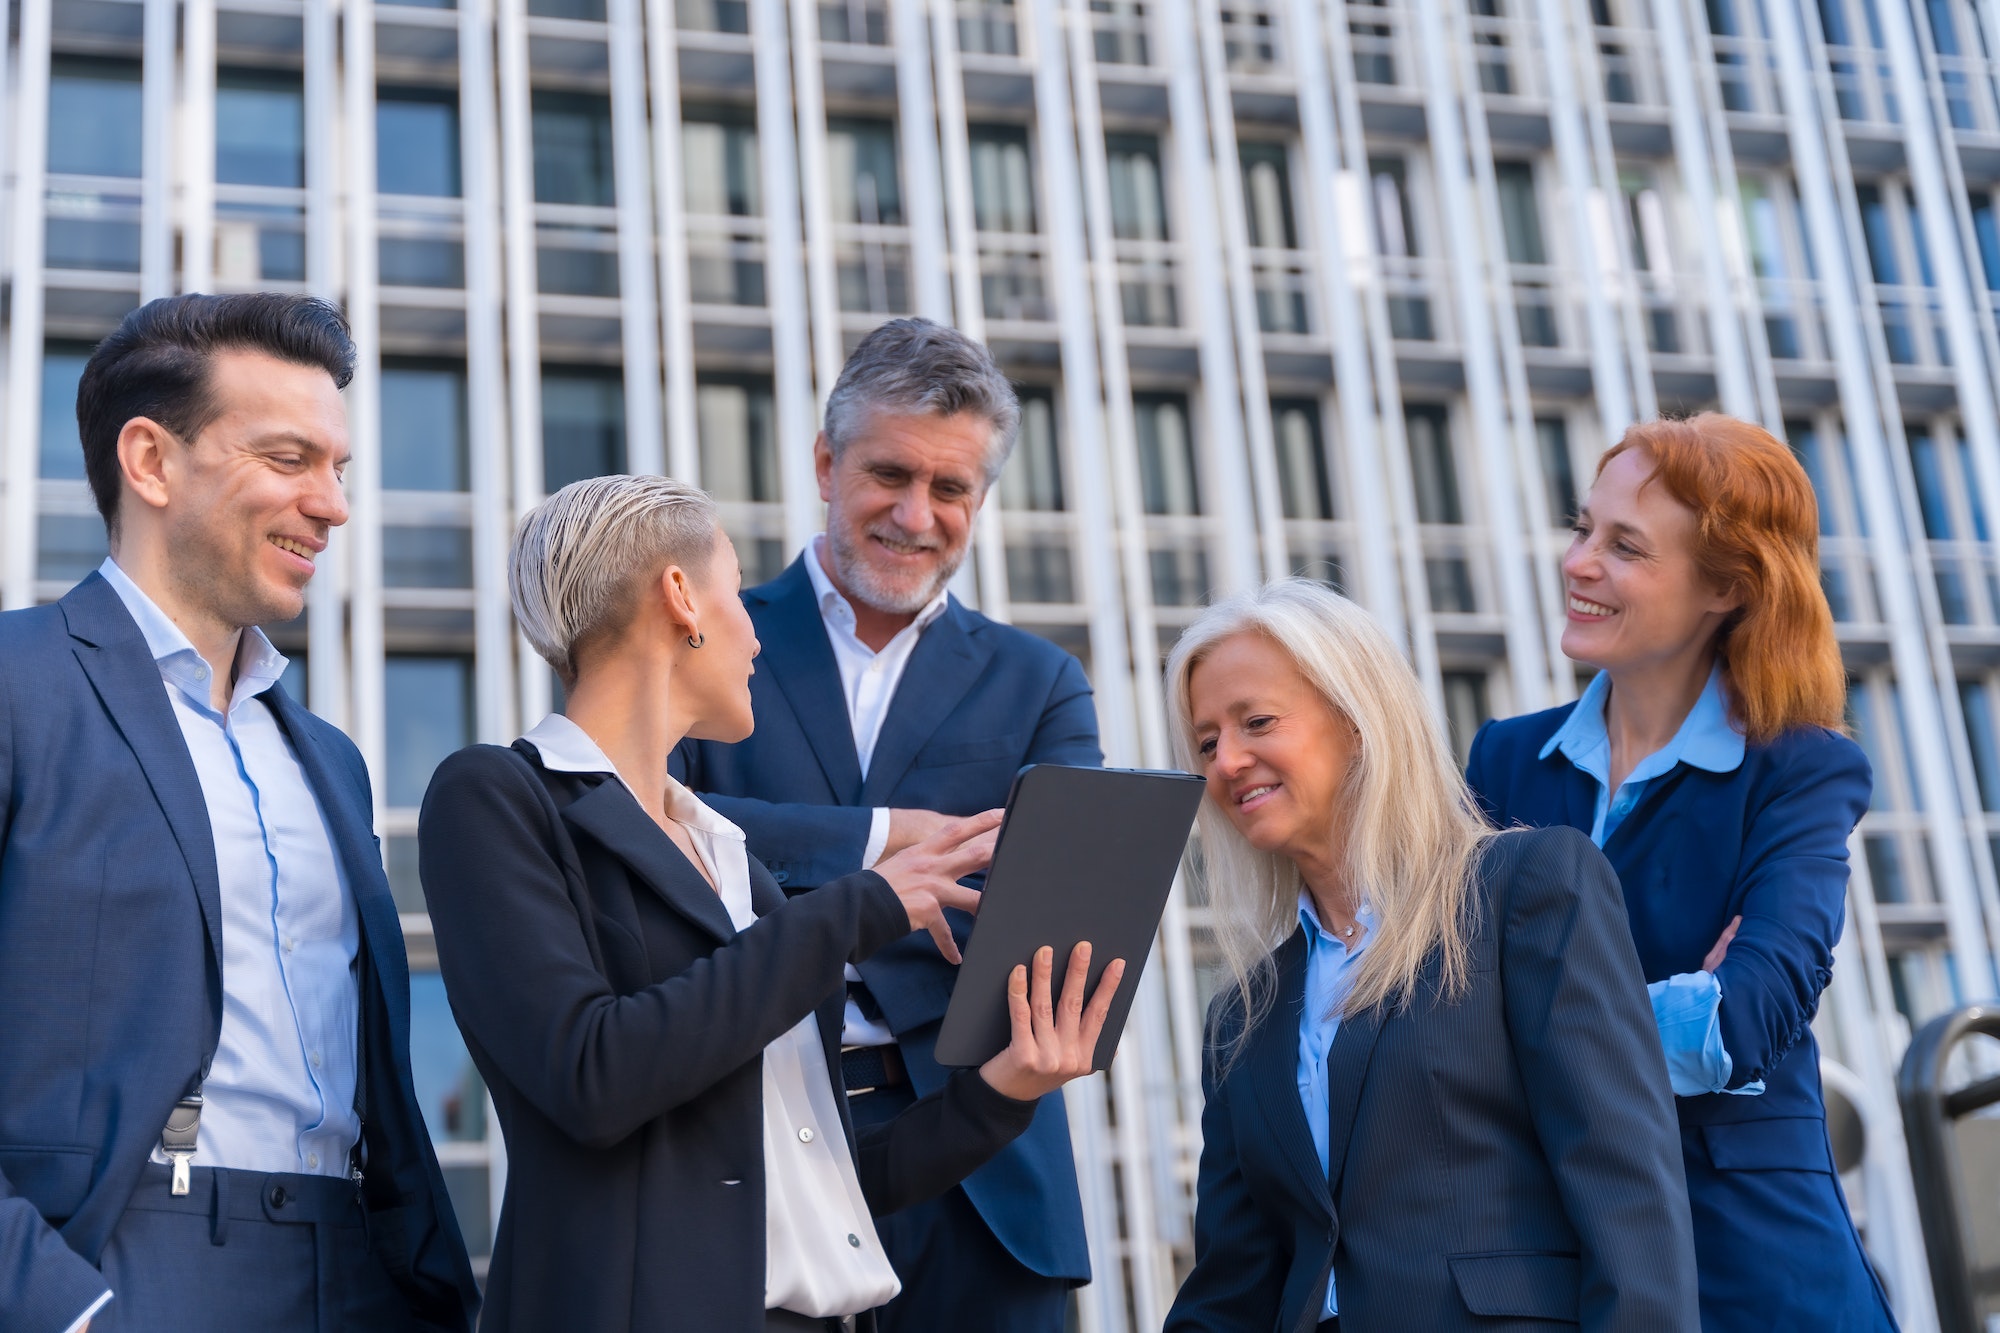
[[1356, 289]]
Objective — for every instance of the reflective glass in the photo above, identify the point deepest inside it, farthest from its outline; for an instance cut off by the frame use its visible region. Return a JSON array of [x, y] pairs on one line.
[[61, 450], [572, 133], [94, 118], [416, 142], [739, 446], [1433, 472], [1267, 195], [428, 710], [1166, 454], [583, 424], [1305, 484], [260, 129], [1003, 186], [1032, 479], [423, 427], [861, 170], [719, 163], [1138, 199]]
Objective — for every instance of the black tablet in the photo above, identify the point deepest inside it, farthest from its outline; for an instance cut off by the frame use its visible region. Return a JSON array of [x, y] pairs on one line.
[[1084, 854]]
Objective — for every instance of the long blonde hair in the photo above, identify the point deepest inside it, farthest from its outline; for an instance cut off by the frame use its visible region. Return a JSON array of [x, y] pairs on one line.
[[1411, 830]]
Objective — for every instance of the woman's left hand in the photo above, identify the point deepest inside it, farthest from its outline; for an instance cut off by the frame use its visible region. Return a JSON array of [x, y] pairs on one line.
[[1053, 1043]]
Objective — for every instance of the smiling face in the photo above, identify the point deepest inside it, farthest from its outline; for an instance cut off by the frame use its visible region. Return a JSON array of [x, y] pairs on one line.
[[246, 506], [715, 678], [1635, 596], [1275, 754], [901, 498]]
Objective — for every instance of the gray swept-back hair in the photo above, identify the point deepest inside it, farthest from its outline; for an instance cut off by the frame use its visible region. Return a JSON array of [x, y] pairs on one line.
[[920, 367], [578, 557], [1411, 832]]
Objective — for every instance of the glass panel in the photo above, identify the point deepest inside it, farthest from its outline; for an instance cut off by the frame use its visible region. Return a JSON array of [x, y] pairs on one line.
[[1305, 484], [1466, 709], [719, 162], [452, 1097], [1038, 570], [1433, 473], [1558, 473], [416, 141], [1983, 227], [1928, 465], [421, 261], [1806, 447], [1032, 479], [713, 15], [61, 455], [861, 169], [589, 11], [400, 861], [1003, 186], [428, 709], [1267, 195], [95, 118], [1520, 219], [739, 442], [572, 134], [260, 129], [1977, 705], [68, 546], [426, 557], [424, 444], [1138, 200], [1865, 727], [1166, 454], [583, 425]]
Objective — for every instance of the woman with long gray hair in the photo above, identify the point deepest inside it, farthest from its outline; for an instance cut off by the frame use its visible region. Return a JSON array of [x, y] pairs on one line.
[[1434, 1098]]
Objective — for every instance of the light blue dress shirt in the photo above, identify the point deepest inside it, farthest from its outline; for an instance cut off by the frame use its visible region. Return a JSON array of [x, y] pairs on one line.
[[1328, 960], [1686, 1007], [280, 1092]]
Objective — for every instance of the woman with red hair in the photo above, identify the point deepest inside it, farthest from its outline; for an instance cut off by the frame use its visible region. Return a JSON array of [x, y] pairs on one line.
[[1706, 760]]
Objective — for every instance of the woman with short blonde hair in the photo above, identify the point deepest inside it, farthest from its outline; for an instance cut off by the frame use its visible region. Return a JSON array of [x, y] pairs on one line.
[[1433, 1094]]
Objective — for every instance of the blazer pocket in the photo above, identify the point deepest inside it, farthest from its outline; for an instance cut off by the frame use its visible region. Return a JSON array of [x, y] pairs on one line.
[[1518, 1284], [971, 752], [54, 1179], [1793, 1143]]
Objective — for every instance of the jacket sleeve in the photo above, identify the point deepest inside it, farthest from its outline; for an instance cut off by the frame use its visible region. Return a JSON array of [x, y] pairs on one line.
[[937, 1141], [1066, 733], [1791, 891], [595, 1062], [1479, 775], [1596, 1083], [1240, 1258], [803, 846], [44, 1284]]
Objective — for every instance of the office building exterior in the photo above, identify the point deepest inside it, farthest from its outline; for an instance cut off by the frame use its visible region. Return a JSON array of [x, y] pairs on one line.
[[1355, 290]]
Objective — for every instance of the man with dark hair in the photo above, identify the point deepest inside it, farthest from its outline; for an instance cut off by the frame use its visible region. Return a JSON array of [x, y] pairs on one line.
[[207, 1119], [883, 708]]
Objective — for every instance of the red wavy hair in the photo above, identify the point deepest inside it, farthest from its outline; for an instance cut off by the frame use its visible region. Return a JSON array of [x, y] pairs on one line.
[[1756, 535]]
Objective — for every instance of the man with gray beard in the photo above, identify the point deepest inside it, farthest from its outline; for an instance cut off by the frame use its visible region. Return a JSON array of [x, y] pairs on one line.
[[885, 707]]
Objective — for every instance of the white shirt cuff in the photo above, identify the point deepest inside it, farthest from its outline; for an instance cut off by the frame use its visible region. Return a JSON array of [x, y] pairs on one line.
[[89, 1314], [878, 838]]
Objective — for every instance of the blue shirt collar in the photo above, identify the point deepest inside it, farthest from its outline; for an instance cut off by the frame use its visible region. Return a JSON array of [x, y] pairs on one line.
[[1707, 739], [1317, 935], [258, 664]]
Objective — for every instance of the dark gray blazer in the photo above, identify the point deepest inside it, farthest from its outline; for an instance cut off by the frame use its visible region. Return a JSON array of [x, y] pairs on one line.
[[1506, 1162], [620, 1021]]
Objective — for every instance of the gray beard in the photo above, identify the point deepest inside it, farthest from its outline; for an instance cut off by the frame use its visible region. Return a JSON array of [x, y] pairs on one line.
[[861, 580]]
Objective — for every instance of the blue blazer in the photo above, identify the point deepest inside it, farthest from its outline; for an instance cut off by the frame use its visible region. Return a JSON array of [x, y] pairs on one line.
[[1767, 842], [110, 963], [977, 701], [1502, 1161]]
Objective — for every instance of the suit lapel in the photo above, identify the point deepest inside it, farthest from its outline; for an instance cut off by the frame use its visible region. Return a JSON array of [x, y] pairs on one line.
[[1274, 1071], [799, 658], [608, 813], [120, 667], [1346, 1071], [946, 661]]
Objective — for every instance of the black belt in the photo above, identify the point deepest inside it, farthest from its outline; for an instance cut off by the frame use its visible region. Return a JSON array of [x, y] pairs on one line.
[[784, 1321], [868, 1068]]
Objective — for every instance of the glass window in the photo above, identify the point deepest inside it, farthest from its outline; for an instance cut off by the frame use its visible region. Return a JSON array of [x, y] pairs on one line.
[[1466, 709], [1433, 473], [1876, 227], [1138, 199], [739, 440], [719, 161], [452, 1097], [861, 169], [1305, 482], [416, 141], [1806, 447], [260, 129], [583, 424], [94, 118], [428, 710], [423, 426], [68, 546], [1988, 233], [426, 557], [1977, 705], [61, 451], [1003, 184], [1558, 473], [589, 11], [1390, 184], [1928, 464], [1267, 195], [1033, 476], [1520, 218], [572, 134], [1166, 454]]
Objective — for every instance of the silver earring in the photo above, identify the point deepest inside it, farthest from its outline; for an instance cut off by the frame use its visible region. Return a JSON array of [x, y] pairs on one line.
[[697, 640]]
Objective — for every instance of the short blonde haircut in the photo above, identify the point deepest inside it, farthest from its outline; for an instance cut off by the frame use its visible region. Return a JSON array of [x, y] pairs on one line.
[[578, 557], [1412, 832]]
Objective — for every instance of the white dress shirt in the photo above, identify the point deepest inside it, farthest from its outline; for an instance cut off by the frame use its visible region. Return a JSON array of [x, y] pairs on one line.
[[868, 682], [822, 1256]]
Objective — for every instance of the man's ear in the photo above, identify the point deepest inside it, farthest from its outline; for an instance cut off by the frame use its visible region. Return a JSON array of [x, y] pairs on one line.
[[146, 461], [823, 467]]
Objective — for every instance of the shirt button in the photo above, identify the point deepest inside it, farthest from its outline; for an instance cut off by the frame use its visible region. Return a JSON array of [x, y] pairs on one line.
[[312, 1160], [854, 1240], [201, 673], [806, 1135], [315, 1059], [290, 944]]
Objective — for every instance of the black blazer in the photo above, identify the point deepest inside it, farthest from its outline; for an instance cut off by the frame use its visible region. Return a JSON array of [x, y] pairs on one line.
[[620, 1020], [1503, 1163]]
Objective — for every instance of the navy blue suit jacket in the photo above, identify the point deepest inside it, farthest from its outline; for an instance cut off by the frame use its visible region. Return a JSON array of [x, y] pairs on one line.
[[110, 963], [1767, 842], [977, 701]]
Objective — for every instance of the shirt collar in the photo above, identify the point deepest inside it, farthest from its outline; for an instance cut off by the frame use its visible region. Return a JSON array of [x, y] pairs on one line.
[[833, 604], [567, 748], [1319, 935], [1707, 739], [258, 664]]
